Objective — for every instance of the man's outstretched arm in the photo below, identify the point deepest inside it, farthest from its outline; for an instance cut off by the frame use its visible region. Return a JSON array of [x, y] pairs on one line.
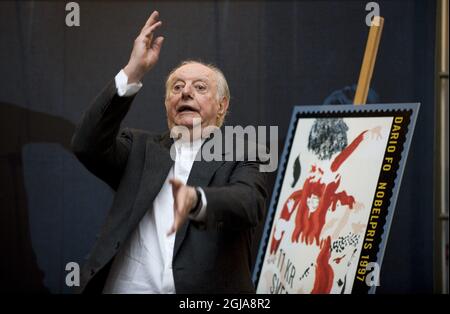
[[96, 141]]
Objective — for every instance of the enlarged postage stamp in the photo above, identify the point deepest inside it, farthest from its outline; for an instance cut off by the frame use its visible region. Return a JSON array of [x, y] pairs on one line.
[[334, 198]]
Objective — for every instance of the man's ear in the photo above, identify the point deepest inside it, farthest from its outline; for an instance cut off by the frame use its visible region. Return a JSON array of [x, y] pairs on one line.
[[223, 105]]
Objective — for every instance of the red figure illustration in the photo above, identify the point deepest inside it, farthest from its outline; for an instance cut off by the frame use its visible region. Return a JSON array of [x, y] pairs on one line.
[[311, 218]]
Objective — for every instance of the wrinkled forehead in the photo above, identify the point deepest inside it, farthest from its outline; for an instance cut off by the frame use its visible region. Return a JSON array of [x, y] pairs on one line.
[[193, 72]]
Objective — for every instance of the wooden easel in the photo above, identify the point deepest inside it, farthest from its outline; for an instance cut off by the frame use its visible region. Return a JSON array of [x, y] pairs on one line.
[[368, 64]]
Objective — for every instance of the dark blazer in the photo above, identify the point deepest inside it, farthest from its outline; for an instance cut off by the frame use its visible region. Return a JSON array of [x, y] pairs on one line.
[[209, 257]]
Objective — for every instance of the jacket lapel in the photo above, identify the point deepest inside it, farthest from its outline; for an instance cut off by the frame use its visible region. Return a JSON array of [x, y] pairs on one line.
[[200, 175], [156, 167]]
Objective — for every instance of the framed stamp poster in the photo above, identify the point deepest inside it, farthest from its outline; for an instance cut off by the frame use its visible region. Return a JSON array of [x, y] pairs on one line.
[[334, 198]]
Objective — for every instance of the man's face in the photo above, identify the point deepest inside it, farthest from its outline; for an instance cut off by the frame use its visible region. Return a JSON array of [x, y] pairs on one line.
[[192, 93]]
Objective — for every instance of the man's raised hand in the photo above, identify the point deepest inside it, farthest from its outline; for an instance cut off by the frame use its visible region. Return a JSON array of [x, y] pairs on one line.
[[145, 50]]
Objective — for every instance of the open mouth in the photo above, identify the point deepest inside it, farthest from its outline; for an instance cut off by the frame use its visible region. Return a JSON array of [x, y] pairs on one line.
[[186, 109]]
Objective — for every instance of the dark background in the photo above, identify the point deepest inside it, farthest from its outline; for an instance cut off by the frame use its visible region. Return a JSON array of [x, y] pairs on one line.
[[274, 54]]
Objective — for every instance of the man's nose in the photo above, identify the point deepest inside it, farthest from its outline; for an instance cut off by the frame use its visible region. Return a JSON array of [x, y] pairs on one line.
[[187, 91]]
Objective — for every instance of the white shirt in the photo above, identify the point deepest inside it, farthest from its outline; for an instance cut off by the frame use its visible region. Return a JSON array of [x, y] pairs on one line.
[[144, 264]]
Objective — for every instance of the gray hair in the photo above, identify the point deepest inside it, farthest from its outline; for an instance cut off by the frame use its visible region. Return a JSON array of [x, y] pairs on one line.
[[222, 85]]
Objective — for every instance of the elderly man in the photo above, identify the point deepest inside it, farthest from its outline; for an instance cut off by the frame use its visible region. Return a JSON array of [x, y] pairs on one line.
[[178, 225]]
